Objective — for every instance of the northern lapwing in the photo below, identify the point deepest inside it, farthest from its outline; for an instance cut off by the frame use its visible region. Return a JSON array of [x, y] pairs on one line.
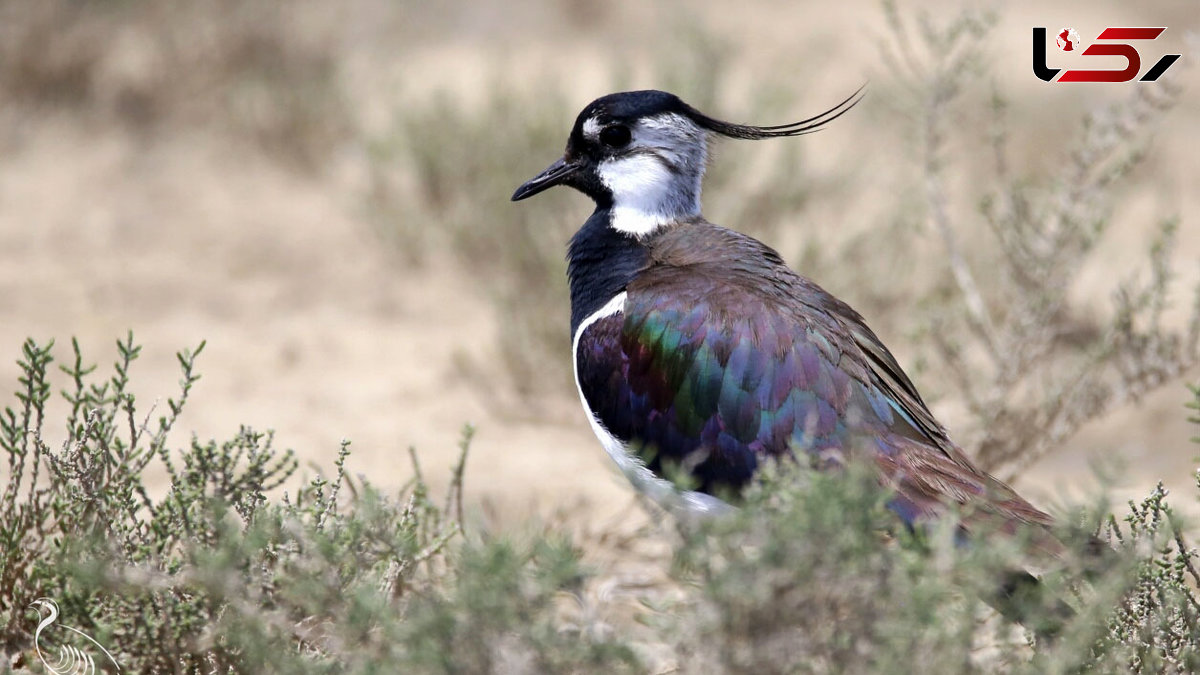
[[699, 353]]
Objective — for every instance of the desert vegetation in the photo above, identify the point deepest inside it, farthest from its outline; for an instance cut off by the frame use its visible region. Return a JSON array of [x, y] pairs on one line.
[[217, 575]]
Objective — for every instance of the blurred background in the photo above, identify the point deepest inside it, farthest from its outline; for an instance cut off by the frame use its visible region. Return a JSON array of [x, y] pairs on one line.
[[320, 190]]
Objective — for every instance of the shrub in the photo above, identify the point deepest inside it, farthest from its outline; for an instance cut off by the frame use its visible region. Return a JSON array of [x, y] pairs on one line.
[[216, 576], [221, 575]]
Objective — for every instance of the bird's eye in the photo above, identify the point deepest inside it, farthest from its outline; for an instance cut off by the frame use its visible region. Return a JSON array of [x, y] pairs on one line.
[[615, 136]]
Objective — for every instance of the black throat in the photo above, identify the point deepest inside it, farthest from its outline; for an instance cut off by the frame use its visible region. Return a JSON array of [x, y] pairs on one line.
[[600, 263]]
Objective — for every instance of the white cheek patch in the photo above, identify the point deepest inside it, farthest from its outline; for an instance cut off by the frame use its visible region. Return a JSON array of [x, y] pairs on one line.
[[685, 503], [642, 188], [656, 181]]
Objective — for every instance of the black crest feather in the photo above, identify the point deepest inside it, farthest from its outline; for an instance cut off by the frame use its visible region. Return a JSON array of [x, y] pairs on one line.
[[806, 126]]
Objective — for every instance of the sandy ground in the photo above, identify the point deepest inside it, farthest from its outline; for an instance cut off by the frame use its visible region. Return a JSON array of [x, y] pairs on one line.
[[317, 331], [313, 329]]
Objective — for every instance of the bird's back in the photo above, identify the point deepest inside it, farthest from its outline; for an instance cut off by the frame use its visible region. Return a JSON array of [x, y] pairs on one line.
[[722, 356]]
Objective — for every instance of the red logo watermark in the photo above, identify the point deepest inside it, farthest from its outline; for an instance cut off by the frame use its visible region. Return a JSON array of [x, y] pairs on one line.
[[1068, 40], [1110, 42]]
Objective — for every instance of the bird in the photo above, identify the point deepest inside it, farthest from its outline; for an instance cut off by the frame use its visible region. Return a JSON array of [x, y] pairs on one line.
[[71, 659], [700, 356]]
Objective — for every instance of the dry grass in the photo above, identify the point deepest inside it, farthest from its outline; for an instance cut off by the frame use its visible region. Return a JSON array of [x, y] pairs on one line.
[[811, 575], [265, 71]]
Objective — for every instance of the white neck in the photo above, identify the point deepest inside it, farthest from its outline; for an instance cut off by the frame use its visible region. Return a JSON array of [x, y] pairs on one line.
[[648, 195]]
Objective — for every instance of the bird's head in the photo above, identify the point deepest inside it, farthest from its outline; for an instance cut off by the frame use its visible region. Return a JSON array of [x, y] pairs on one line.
[[643, 154]]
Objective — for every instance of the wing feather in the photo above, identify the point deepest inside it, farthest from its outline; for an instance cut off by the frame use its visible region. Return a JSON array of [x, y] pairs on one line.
[[724, 356]]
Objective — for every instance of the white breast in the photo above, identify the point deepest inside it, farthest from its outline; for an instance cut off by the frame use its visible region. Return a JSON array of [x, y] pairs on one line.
[[663, 492]]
